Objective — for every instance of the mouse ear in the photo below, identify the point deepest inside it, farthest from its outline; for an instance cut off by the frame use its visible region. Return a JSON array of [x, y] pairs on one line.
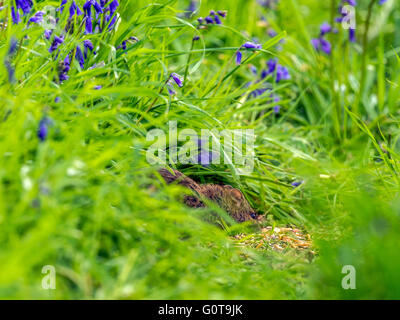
[[237, 194]]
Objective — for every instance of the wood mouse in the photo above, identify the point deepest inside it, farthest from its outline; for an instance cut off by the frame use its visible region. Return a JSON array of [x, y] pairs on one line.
[[228, 198]]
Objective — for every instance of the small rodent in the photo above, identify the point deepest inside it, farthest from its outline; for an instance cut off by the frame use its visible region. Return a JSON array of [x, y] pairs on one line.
[[227, 197]]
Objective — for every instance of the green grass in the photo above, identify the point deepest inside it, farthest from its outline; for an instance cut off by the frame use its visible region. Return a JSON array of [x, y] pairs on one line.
[[87, 201]]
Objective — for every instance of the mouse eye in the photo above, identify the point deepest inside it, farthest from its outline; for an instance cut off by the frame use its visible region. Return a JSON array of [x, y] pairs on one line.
[[253, 215]]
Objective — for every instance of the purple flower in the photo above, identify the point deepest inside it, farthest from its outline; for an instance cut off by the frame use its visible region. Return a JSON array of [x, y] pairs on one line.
[[316, 43], [13, 46], [190, 10], [170, 89], [322, 44], [15, 15], [296, 184], [352, 35], [238, 57], [275, 98], [282, 73], [122, 46], [92, 3], [209, 20], [271, 64], [62, 5], [24, 5], [88, 45], [177, 78], [74, 9], [325, 46], [48, 33], [79, 57], [56, 42], [325, 28], [213, 17], [43, 129], [63, 69], [88, 25], [222, 13], [113, 6], [7, 61], [251, 45], [217, 19], [272, 33], [10, 71], [37, 18]]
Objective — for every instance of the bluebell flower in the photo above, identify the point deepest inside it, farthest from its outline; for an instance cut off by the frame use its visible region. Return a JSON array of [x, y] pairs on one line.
[[74, 9], [7, 60], [170, 89], [113, 6], [92, 3], [296, 184], [24, 5], [43, 129], [88, 45], [282, 73], [352, 35], [252, 45], [275, 99], [272, 33], [269, 4], [238, 57], [62, 5], [209, 20], [63, 69], [88, 25], [79, 56], [321, 44], [56, 42], [343, 15], [37, 18], [325, 28], [217, 19], [13, 46], [122, 45], [222, 13], [48, 33], [15, 15], [246, 45], [271, 65], [10, 71], [191, 9], [213, 17], [177, 78]]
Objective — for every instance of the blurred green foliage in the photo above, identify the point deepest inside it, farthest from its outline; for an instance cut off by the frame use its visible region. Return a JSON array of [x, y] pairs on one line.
[[87, 202]]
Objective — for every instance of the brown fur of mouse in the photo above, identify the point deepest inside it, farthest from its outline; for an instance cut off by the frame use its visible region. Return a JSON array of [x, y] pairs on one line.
[[228, 198]]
